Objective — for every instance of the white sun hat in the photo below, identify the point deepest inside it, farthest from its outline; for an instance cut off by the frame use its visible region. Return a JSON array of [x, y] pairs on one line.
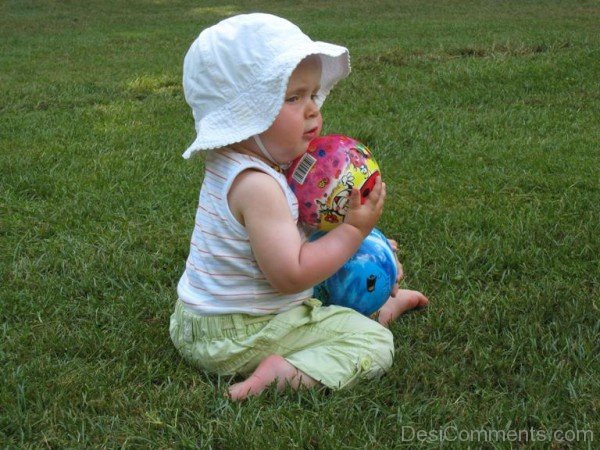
[[236, 72]]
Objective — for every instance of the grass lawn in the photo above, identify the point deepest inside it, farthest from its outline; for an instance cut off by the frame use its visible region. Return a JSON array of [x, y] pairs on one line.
[[484, 116]]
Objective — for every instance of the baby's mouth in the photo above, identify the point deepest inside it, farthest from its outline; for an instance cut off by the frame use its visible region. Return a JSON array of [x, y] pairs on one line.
[[312, 132]]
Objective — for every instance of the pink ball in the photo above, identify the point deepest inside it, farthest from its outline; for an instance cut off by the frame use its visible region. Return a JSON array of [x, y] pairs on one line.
[[323, 179]]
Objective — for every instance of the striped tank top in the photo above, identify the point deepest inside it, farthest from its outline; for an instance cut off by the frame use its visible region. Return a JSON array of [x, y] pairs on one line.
[[221, 274]]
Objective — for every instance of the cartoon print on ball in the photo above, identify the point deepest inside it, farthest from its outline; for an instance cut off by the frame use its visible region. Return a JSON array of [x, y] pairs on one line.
[[334, 208]]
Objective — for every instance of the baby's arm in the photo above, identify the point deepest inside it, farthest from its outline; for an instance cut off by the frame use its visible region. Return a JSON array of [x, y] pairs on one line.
[[290, 263]]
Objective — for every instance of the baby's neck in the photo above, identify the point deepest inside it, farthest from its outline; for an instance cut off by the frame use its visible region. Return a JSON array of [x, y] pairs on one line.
[[244, 150]]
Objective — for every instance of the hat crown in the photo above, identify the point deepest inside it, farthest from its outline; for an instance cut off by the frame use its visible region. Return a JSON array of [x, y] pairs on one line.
[[229, 58]]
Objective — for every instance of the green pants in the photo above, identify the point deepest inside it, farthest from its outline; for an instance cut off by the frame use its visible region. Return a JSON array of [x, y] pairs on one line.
[[334, 345]]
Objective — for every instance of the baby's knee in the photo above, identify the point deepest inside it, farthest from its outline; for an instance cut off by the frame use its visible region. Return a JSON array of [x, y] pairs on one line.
[[381, 346], [374, 346], [373, 341]]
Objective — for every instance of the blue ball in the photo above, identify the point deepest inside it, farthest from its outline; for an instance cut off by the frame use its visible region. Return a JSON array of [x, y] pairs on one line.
[[366, 281]]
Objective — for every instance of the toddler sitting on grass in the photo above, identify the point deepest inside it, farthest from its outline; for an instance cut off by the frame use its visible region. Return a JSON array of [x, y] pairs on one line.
[[255, 84]]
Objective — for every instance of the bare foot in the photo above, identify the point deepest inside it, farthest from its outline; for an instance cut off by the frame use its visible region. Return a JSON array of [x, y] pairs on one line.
[[403, 301], [273, 367]]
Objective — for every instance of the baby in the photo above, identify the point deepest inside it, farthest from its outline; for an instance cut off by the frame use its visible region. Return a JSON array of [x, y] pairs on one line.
[[255, 84]]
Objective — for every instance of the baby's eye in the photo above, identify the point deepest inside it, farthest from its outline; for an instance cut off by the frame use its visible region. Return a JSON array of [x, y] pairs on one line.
[[292, 99]]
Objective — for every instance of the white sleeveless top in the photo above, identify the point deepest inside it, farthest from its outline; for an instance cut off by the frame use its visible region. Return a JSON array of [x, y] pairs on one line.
[[221, 274]]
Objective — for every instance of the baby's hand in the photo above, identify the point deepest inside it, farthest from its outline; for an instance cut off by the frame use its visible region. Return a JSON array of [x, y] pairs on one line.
[[365, 216]]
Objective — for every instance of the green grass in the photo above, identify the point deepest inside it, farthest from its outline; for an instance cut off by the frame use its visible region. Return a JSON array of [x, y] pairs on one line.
[[484, 118]]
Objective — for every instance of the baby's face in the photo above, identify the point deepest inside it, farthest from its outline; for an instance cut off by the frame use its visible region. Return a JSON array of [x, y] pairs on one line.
[[299, 120]]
